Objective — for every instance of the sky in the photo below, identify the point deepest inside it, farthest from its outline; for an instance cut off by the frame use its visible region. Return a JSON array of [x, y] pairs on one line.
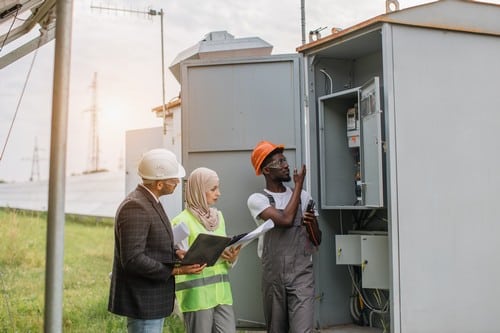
[[123, 50]]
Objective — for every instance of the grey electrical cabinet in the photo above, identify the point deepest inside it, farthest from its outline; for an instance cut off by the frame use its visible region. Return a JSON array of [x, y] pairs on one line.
[[430, 180], [351, 148], [397, 120]]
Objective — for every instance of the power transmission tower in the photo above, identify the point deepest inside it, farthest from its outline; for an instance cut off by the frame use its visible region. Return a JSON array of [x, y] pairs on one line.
[[35, 163], [94, 130]]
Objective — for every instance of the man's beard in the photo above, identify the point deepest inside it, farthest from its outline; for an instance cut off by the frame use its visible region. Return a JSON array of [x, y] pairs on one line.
[[286, 178]]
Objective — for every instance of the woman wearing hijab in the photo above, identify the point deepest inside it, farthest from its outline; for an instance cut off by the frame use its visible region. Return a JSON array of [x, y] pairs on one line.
[[205, 299]]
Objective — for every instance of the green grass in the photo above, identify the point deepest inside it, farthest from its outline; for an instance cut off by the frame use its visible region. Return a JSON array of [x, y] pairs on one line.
[[88, 246]]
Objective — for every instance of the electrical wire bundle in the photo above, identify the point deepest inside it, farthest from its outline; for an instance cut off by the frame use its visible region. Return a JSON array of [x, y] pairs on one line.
[[366, 303]]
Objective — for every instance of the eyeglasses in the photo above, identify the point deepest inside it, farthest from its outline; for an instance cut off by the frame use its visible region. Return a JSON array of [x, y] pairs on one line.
[[170, 181], [277, 164]]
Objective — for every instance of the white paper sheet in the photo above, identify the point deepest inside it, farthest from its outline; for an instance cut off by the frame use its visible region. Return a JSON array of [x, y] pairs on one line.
[[181, 231], [260, 230]]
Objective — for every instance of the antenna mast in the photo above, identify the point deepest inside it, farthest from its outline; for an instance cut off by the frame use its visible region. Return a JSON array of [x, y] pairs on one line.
[[150, 12]]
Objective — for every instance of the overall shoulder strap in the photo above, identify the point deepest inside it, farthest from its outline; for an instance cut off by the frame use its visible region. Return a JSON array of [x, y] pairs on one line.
[[270, 198]]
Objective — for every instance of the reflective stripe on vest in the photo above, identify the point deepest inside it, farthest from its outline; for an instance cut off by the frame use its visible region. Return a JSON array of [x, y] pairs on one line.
[[201, 282]]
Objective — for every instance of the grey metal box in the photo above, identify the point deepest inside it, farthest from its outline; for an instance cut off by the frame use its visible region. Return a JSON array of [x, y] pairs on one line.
[[374, 262], [348, 249], [368, 251]]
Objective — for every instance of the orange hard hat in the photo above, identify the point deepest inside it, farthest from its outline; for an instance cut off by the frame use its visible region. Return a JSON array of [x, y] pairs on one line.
[[260, 152]]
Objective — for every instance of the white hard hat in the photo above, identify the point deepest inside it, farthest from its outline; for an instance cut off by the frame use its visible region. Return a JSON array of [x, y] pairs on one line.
[[159, 164]]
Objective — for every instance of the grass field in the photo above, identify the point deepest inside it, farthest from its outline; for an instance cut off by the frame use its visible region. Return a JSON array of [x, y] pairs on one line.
[[88, 259]]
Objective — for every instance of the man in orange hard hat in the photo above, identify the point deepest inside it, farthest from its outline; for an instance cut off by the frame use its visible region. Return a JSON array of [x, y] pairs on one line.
[[285, 250]]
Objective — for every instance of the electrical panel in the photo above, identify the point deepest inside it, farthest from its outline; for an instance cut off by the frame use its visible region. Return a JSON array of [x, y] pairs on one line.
[[351, 148], [370, 252]]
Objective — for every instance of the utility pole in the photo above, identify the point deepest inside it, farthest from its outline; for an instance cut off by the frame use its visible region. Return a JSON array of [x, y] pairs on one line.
[[163, 76], [303, 20]]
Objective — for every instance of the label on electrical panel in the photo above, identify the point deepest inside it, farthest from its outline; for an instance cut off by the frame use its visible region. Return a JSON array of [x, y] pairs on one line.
[[353, 141]]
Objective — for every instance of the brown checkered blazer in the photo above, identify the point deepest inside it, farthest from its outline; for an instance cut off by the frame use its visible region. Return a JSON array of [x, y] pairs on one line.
[[142, 285]]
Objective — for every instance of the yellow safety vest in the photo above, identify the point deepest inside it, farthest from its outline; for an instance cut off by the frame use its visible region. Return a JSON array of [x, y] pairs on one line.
[[209, 288]]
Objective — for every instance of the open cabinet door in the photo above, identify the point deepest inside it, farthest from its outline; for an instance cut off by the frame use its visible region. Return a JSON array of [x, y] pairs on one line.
[[371, 144]]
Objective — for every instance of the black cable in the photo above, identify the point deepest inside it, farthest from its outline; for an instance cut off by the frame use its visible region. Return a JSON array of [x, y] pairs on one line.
[[10, 29]]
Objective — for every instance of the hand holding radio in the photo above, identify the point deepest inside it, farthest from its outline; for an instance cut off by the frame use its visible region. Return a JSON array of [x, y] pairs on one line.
[[311, 223]]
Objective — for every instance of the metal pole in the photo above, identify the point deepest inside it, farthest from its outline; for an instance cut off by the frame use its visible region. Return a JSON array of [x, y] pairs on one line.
[[163, 76], [303, 20], [57, 180]]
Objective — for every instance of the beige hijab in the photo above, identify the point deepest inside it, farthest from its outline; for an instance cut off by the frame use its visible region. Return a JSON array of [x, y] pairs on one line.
[[200, 181]]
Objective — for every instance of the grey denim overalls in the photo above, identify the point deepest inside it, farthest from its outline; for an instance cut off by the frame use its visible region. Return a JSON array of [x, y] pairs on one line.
[[287, 277]]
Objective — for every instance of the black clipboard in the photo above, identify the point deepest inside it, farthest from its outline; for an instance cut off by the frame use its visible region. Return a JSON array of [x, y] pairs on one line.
[[206, 248]]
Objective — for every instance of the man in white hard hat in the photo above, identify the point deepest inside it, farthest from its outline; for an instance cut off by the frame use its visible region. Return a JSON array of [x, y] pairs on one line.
[[142, 282]]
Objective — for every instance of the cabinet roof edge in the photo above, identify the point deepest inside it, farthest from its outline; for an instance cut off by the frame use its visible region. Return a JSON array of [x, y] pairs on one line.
[[456, 15]]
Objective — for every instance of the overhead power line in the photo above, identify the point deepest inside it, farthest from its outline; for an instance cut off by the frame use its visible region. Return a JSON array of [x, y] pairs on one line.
[[19, 102]]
